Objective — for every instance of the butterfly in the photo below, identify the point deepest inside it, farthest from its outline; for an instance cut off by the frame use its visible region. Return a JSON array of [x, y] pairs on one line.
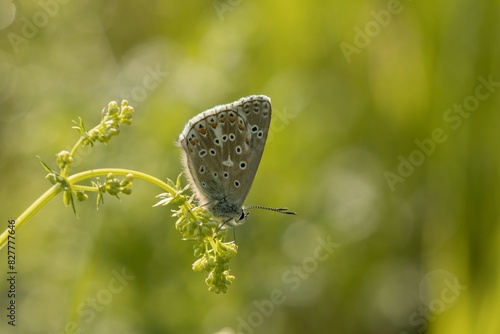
[[221, 151]]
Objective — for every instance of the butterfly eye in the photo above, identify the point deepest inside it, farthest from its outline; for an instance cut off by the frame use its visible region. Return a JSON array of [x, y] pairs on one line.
[[243, 215]]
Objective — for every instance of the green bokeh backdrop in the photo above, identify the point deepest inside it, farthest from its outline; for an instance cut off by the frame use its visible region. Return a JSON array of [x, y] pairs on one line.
[[384, 140]]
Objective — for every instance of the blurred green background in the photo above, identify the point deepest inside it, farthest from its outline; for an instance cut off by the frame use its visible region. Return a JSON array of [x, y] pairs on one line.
[[384, 140]]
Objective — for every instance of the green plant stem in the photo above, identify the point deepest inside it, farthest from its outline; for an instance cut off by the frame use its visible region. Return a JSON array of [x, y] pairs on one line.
[[73, 179], [31, 211], [65, 170]]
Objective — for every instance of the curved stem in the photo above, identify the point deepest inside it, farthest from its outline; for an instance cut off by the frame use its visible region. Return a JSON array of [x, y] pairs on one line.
[[122, 172], [65, 170], [73, 179]]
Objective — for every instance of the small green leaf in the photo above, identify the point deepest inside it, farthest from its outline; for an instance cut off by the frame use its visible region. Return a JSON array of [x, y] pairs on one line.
[[45, 166]]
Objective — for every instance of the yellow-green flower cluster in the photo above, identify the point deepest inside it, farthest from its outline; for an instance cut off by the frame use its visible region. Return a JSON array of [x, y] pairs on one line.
[[198, 225], [112, 118]]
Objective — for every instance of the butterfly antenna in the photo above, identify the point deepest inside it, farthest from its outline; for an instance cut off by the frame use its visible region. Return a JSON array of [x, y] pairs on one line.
[[280, 210]]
